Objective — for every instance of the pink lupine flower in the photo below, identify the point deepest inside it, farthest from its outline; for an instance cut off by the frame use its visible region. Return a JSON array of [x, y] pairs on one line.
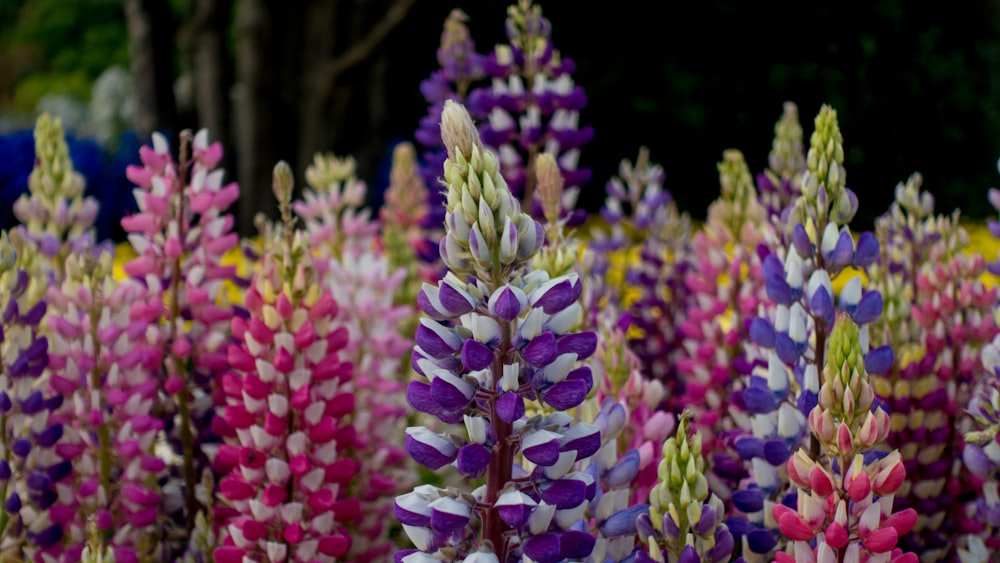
[[364, 286], [181, 233], [846, 508], [289, 401], [105, 353]]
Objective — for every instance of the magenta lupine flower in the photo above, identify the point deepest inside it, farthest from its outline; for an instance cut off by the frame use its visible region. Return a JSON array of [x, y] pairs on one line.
[[33, 476], [938, 317], [726, 291], [181, 233], [506, 342], [532, 106], [104, 357], [364, 287], [289, 402], [54, 214], [845, 495]]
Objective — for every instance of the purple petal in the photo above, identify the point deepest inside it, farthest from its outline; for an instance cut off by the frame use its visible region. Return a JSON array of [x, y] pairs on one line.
[[761, 541], [724, 546], [476, 355], [49, 536], [669, 527], [544, 454], [428, 308], [776, 452], [786, 348], [625, 521], [566, 394], [821, 305], [778, 290], [446, 521], [433, 342], [843, 253], [543, 548], [748, 500], [869, 308], [707, 521], [762, 332], [879, 360], [451, 391], [541, 351], [472, 460], [867, 250], [760, 401], [412, 510], [418, 395], [800, 239], [771, 267], [48, 437], [585, 439], [583, 344], [976, 460], [507, 306], [576, 544], [510, 406], [556, 298], [689, 555], [994, 227], [624, 471], [455, 302], [564, 493], [749, 447], [515, 514], [431, 450]]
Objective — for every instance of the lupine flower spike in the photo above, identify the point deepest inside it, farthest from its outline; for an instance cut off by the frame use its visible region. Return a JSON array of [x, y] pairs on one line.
[[34, 478], [533, 106], [844, 506], [54, 213], [725, 292], [105, 354], [685, 521], [817, 247], [779, 185], [495, 340], [288, 398], [181, 234], [938, 315]]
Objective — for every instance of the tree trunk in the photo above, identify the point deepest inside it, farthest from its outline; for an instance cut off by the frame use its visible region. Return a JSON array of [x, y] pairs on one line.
[[151, 31], [254, 100], [210, 66]]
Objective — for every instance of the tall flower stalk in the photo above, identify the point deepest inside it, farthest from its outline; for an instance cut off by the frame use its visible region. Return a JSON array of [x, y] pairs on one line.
[[506, 341], [180, 234], [531, 107], [817, 246], [289, 400], [104, 356], [844, 505], [34, 478]]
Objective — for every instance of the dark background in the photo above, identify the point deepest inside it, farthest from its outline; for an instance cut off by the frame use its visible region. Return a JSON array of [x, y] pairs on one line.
[[916, 84]]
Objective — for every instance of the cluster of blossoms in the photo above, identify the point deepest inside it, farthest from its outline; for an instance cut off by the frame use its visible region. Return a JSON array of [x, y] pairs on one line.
[[288, 403], [845, 495], [684, 523], [55, 216], [512, 344], [816, 247], [180, 235], [727, 292], [938, 315]]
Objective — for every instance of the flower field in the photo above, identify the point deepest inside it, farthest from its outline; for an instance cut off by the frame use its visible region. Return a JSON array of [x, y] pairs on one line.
[[479, 370]]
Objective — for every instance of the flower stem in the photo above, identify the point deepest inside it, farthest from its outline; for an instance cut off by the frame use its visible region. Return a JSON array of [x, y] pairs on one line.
[[500, 469]]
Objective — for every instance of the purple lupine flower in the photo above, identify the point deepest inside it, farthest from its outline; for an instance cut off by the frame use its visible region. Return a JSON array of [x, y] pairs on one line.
[[532, 106], [816, 248], [505, 310], [33, 474]]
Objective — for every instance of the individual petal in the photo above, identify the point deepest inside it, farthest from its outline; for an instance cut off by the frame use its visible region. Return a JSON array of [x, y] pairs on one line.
[[451, 391], [449, 514], [510, 406], [429, 449], [507, 302], [866, 251], [514, 507], [473, 460], [541, 351], [541, 447], [869, 308], [879, 360], [476, 355]]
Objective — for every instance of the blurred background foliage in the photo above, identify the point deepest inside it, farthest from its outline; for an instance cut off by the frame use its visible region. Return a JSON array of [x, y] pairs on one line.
[[916, 85]]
